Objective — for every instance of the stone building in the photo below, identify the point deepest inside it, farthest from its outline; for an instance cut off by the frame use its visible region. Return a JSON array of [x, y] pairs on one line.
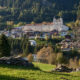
[[57, 24]]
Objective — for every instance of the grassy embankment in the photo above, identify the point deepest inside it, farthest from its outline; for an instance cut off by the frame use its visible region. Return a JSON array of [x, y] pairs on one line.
[[21, 73]]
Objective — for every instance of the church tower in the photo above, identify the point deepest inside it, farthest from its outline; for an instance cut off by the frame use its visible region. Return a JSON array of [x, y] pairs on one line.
[[58, 23], [61, 21], [55, 21]]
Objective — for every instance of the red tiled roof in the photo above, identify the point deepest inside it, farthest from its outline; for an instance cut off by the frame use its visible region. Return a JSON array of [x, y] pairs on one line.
[[49, 23]]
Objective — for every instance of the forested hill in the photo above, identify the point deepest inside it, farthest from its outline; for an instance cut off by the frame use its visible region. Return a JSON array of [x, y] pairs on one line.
[[38, 10]]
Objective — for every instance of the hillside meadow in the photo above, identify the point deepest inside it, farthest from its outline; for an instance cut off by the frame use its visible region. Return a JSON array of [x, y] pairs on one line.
[[40, 73]]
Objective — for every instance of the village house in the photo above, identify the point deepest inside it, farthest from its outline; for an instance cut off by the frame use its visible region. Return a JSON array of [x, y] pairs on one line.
[[16, 32], [66, 45], [6, 33], [63, 33], [54, 32], [56, 28]]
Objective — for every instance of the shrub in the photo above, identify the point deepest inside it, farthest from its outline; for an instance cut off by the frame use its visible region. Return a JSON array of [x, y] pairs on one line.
[[52, 58], [74, 53], [46, 37], [30, 58], [74, 63], [61, 60]]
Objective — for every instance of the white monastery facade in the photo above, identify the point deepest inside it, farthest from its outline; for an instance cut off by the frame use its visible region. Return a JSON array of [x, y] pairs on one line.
[[57, 24]]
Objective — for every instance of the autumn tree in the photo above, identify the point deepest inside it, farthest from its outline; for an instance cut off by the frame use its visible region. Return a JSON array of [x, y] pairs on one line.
[[74, 63], [30, 57], [52, 58], [44, 53]]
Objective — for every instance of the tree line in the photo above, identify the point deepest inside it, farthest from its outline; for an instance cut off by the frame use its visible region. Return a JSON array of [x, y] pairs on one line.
[[10, 46], [38, 10]]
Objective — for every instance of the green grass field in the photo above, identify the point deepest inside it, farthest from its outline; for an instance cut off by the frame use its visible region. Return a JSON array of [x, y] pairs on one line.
[[22, 73], [44, 67]]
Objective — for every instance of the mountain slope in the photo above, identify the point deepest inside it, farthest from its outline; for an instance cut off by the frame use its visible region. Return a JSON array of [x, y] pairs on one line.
[[38, 10]]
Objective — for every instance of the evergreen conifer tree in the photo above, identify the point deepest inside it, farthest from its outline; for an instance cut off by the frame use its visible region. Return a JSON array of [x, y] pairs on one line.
[[27, 50], [4, 46]]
